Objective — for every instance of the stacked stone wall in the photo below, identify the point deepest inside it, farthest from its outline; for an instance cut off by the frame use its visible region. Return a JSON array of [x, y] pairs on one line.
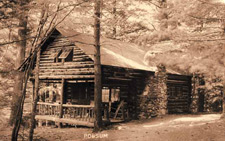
[[153, 101], [211, 88]]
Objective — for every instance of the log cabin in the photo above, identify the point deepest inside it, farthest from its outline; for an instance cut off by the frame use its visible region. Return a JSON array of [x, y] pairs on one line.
[[66, 76]]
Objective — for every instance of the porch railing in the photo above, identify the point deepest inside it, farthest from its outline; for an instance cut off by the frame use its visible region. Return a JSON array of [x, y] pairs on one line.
[[78, 112], [49, 109]]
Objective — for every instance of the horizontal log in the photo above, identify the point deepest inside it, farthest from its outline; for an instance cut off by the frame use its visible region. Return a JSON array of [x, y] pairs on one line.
[[74, 57], [108, 74], [80, 81], [177, 81], [63, 120], [71, 70], [81, 56], [46, 56], [117, 78], [78, 65], [67, 73], [49, 104], [77, 106], [67, 77], [67, 67], [51, 81], [46, 61], [78, 53], [114, 85], [67, 63]]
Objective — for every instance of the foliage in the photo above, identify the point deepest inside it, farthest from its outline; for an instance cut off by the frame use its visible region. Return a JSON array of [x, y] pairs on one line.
[[199, 26]]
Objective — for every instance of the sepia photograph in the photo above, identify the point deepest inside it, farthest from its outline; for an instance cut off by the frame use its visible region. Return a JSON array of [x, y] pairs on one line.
[[112, 70]]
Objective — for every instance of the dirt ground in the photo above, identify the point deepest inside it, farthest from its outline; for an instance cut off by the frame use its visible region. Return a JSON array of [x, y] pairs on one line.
[[169, 128]]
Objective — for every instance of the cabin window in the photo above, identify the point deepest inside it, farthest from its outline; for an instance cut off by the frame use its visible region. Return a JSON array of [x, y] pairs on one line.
[[175, 91], [115, 94], [65, 55], [105, 94], [77, 93], [55, 54], [110, 94]]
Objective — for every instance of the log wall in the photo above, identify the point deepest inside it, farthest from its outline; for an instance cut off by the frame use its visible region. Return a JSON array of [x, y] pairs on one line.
[[81, 66], [179, 93], [131, 83], [158, 98]]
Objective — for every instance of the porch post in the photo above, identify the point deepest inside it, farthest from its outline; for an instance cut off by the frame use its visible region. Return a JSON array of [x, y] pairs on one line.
[[61, 101]]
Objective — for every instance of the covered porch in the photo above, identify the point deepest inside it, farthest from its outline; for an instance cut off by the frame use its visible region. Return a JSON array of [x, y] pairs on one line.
[[72, 103]]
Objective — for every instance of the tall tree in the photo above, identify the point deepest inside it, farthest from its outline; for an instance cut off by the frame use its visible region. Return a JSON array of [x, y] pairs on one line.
[[22, 34], [97, 67]]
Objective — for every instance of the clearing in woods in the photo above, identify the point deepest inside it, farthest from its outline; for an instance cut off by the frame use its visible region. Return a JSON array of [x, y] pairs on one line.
[[168, 128]]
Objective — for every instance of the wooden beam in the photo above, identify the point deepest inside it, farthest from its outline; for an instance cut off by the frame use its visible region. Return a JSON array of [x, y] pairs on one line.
[[61, 101], [68, 73], [66, 63], [63, 70], [62, 98], [117, 78], [67, 77], [77, 106], [88, 65], [118, 108]]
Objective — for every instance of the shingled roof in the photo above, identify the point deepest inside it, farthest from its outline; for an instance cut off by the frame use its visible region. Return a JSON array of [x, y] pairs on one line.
[[113, 52]]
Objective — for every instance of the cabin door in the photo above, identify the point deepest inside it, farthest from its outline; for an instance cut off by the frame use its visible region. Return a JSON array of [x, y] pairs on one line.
[[115, 105], [178, 99], [201, 100], [77, 93]]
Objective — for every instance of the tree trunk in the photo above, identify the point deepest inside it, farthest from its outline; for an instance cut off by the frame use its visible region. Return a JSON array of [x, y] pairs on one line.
[[34, 104], [18, 87], [19, 114], [115, 19], [97, 67], [223, 112]]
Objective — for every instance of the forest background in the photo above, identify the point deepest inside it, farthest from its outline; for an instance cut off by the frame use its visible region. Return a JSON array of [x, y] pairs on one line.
[[187, 36]]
